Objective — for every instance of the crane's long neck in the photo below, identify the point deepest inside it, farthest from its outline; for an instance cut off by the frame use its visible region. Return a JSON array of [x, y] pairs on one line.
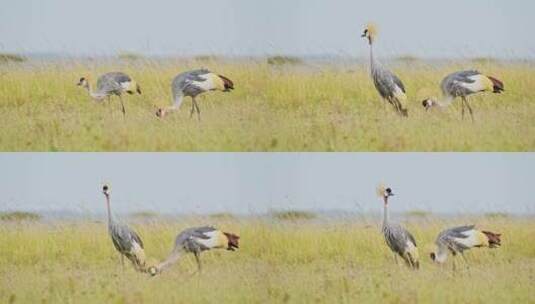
[[169, 261], [93, 94], [385, 212], [110, 216]]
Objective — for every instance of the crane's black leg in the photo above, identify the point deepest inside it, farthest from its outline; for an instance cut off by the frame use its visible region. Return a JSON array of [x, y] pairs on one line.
[[192, 107], [122, 105], [465, 261], [198, 259], [462, 107], [469, 109], [198, 110]]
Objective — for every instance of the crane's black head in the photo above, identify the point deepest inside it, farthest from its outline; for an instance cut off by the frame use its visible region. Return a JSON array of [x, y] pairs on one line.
[[160, 113], [428, 103], [152, 270], [388, 192], [369, 32], [82, 82], [106, 190]]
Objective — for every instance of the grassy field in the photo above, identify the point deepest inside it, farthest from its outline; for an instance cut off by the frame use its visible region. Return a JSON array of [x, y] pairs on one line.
[[294, 107], [280, 261]]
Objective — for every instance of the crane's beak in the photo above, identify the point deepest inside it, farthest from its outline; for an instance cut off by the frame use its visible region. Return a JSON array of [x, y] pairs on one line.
[[363, 35]]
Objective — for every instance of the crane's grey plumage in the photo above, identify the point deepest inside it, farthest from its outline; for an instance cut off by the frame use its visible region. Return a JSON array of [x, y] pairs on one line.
[[196, 240], [387, 84], [462, 84], [109, 84], [125, 240], [193, 83], [398, 239], [456, 240]]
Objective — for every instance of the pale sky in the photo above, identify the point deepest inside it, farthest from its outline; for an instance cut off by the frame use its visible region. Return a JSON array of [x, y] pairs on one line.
[[453, 28], [258, 182]]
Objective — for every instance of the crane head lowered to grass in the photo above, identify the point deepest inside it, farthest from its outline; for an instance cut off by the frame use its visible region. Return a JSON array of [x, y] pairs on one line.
[[192, 84], [109, 84], [462, 84], [387, 84]]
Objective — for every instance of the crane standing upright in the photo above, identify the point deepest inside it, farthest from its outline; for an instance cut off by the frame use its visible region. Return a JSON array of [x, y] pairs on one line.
[[113, 83], [192, 84], [126, 241], [398, 239], [461, 84], [197, 240], [387, 84]]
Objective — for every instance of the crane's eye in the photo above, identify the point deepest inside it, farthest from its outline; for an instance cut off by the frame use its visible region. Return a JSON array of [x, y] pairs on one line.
[[105, 188]]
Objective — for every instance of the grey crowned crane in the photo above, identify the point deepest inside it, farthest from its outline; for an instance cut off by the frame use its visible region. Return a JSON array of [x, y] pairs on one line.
[[459, 239], [192, 84], [461, 84], [126, 241], [387, 84], [109, 84], [398, 239], [197, 240]]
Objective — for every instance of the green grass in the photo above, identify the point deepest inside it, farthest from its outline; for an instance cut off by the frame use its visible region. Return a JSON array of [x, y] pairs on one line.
[[279, 261], [274, 108]]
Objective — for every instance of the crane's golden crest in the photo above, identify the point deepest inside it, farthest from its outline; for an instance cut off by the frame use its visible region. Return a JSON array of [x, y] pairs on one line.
[[372, 29], [381, 188]]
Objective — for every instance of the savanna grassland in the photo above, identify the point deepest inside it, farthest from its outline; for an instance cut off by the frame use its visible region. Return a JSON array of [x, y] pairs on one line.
[[280, 261], [275, 107]]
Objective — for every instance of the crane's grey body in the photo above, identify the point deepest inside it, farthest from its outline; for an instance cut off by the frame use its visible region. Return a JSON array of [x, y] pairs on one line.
[[447, 239], [112, 83], [384, 80], [186, 240], [124, 238], [183, 84], [396, 237], [452, 86]]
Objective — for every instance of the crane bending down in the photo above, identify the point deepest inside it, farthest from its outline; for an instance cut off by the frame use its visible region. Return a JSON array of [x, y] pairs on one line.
[[113, 83], [400, 241], [458, 239], [197, 240], [192, 84], [461, 84], [387, 84], [126, 241]]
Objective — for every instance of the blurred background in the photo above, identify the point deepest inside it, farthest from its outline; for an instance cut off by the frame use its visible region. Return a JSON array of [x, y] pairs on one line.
[[258, 183], [413, 28]]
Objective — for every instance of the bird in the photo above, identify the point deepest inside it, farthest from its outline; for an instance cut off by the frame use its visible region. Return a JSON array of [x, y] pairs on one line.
[[196, 240], [192, 84], [398, 239], [113, 83], [461, 84], [458, 239], [126, 241], [387, 84]]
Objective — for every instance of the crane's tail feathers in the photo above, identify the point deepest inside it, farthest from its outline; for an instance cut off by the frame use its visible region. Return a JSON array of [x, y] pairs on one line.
[[494, 239], [497, 85], [228, 84], [233, 241]]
